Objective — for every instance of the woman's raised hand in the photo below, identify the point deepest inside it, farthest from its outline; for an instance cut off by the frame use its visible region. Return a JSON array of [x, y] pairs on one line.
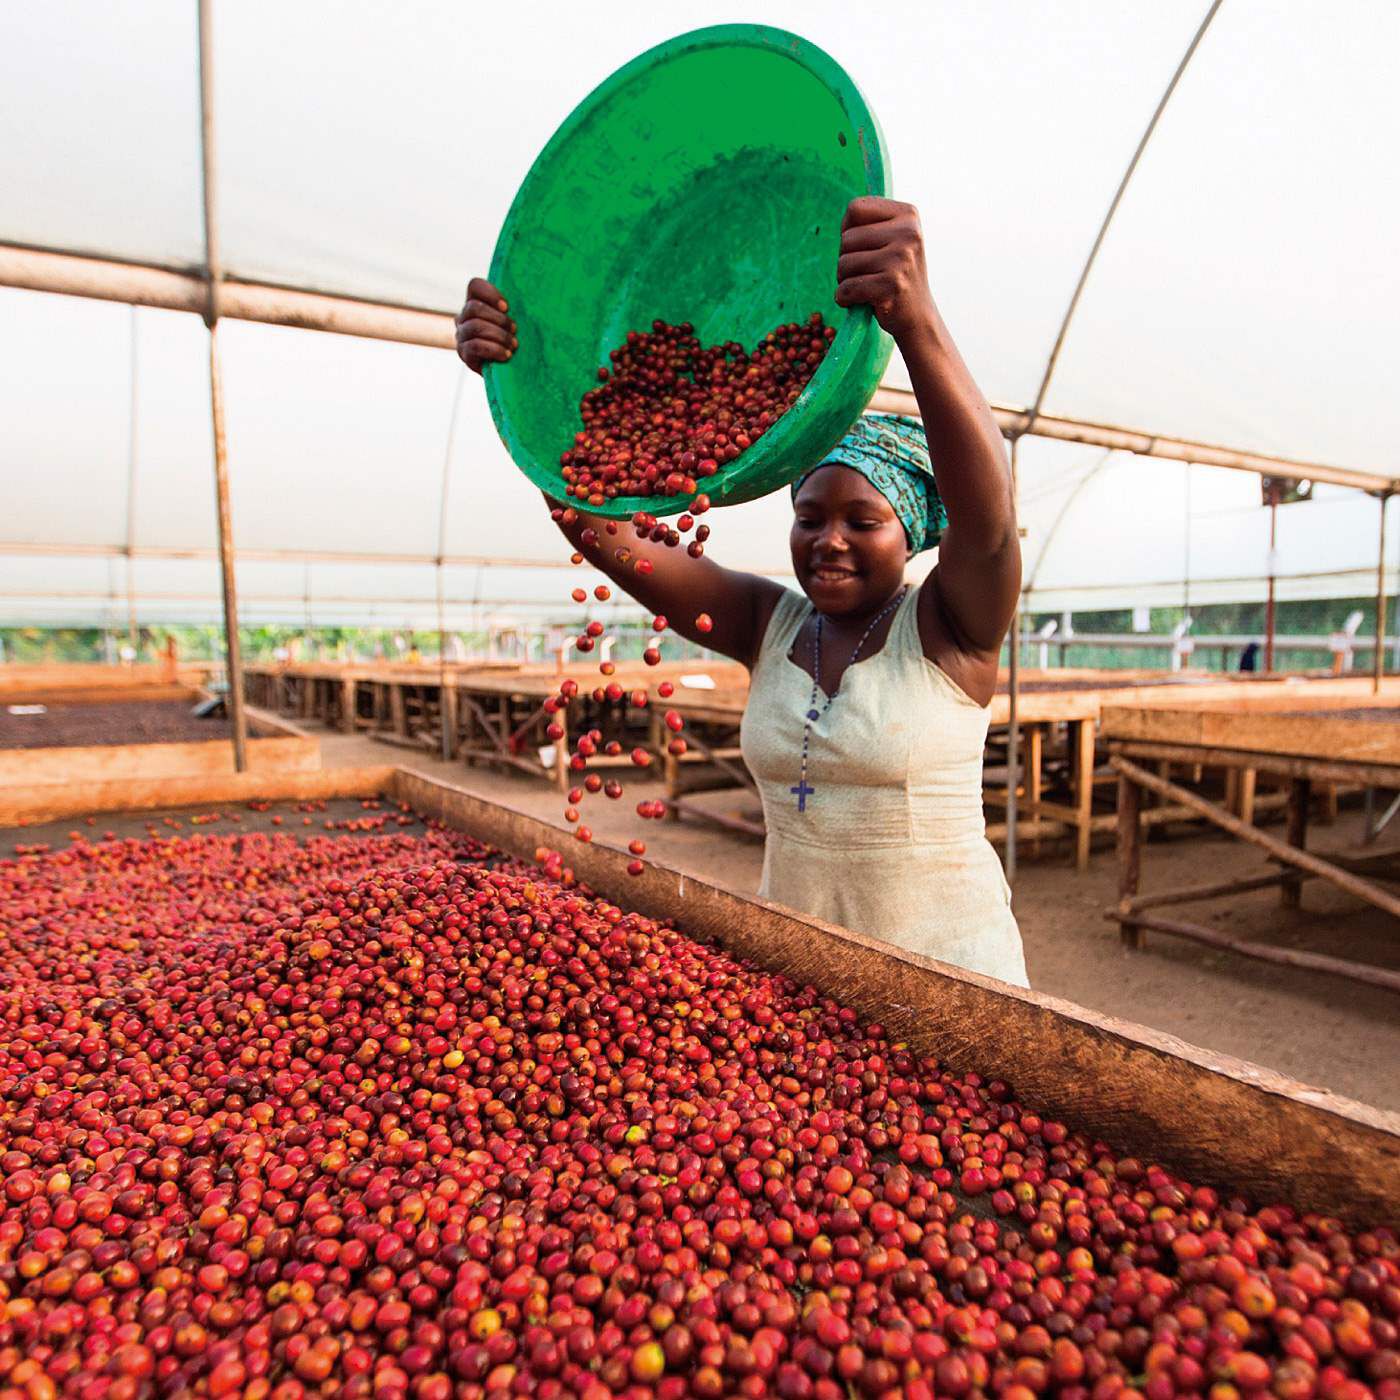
[[882, 263], [484, 329]]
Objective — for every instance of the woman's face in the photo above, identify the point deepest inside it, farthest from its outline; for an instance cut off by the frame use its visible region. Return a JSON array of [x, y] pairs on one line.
[[848, 547]]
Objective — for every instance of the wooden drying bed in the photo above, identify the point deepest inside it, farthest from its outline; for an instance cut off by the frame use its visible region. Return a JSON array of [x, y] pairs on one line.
[[1218, 1120], [1058, 714], [483, 713], [1307, 742], [492, 713], [84, 683], [29, 776]]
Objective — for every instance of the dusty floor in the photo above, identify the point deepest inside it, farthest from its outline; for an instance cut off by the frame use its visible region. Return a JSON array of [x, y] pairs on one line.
[[1320, 1029]]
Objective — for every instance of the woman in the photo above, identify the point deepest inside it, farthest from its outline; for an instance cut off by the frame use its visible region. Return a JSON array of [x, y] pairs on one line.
[[867, 709]]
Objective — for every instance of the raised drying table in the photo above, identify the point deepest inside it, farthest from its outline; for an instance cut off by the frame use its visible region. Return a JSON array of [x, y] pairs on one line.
[[90, 746], [1301, 739], [1216, 1119], [1048, 700]]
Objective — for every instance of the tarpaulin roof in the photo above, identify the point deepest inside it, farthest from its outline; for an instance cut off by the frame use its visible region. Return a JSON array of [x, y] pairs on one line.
[[1245, 293]]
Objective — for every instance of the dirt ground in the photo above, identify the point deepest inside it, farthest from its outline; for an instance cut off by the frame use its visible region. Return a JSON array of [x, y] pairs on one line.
[[1322, 1030]]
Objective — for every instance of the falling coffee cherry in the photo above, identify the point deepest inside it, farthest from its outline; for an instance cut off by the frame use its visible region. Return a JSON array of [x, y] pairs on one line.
[[704, 623]]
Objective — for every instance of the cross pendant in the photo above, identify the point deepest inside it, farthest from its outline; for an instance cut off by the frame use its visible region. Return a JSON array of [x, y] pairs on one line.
[[802, 791]]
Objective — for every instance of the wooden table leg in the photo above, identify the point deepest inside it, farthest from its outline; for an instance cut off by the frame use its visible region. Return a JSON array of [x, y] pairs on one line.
[[1035, 745], [399, 716], [561, 751], [1248, 778], [347, 706], [1084, 790], [1299, 798], [448, 717], [1129, 857]]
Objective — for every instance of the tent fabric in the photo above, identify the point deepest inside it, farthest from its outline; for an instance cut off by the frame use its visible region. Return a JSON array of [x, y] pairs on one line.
[[1245, 294]]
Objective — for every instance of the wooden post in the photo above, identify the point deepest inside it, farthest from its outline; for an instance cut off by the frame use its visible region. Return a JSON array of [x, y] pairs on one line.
[[1084, 790], [1299, 798], [233, 651], [348, 692], [561, 750], [1248, 782], [1129, 857], [1035, 752], [449, 719]]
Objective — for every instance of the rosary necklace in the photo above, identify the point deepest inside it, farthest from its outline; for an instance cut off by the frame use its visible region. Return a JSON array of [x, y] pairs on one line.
[[804, 790]]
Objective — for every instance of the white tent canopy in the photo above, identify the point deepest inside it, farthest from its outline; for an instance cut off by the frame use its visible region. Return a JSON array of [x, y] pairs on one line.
[[1244, 295]]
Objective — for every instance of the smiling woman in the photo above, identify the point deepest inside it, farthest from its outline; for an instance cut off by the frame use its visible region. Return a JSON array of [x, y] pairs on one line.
[[867, 709]]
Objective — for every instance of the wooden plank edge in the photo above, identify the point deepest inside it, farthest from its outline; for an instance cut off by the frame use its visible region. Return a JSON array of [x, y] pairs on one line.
[[1217, 1119], [62, 765], [1346, 772], [125, 795], [1382, 978]]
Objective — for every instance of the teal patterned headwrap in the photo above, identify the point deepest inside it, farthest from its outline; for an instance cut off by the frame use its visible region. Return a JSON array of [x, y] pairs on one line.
[[891, 453]]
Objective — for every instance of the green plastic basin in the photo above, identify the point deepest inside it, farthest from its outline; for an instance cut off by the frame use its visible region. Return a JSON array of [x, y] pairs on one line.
[[703, 182]]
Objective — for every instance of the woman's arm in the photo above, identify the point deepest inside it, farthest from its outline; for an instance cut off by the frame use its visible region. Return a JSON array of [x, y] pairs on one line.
[[677, 586], [974, 588], [672, 584]]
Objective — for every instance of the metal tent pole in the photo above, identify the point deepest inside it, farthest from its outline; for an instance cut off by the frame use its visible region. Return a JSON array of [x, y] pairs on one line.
[[233, 651], [1378, 670], [1270, 605], [1013, 742], [131, 448], [173, 289]]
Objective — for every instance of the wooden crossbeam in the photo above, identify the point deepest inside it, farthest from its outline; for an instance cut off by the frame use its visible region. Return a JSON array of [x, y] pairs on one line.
[[1281, 850]]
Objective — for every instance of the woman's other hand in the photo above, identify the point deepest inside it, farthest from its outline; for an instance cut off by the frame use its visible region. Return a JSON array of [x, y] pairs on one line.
[[882, 264], [484, 329]]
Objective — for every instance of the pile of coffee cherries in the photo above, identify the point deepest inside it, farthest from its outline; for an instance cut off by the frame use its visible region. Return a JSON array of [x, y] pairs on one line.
[[395, 1116], [669, 413]]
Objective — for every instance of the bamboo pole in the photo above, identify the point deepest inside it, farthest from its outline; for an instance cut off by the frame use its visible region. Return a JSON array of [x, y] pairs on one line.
[[71, 274], [233, 650]]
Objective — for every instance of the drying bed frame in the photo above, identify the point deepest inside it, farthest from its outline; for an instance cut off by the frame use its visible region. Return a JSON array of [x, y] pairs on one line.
[[1216, 1119]]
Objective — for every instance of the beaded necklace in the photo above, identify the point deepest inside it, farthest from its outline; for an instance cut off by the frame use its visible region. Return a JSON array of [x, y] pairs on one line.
[[804, 789]]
